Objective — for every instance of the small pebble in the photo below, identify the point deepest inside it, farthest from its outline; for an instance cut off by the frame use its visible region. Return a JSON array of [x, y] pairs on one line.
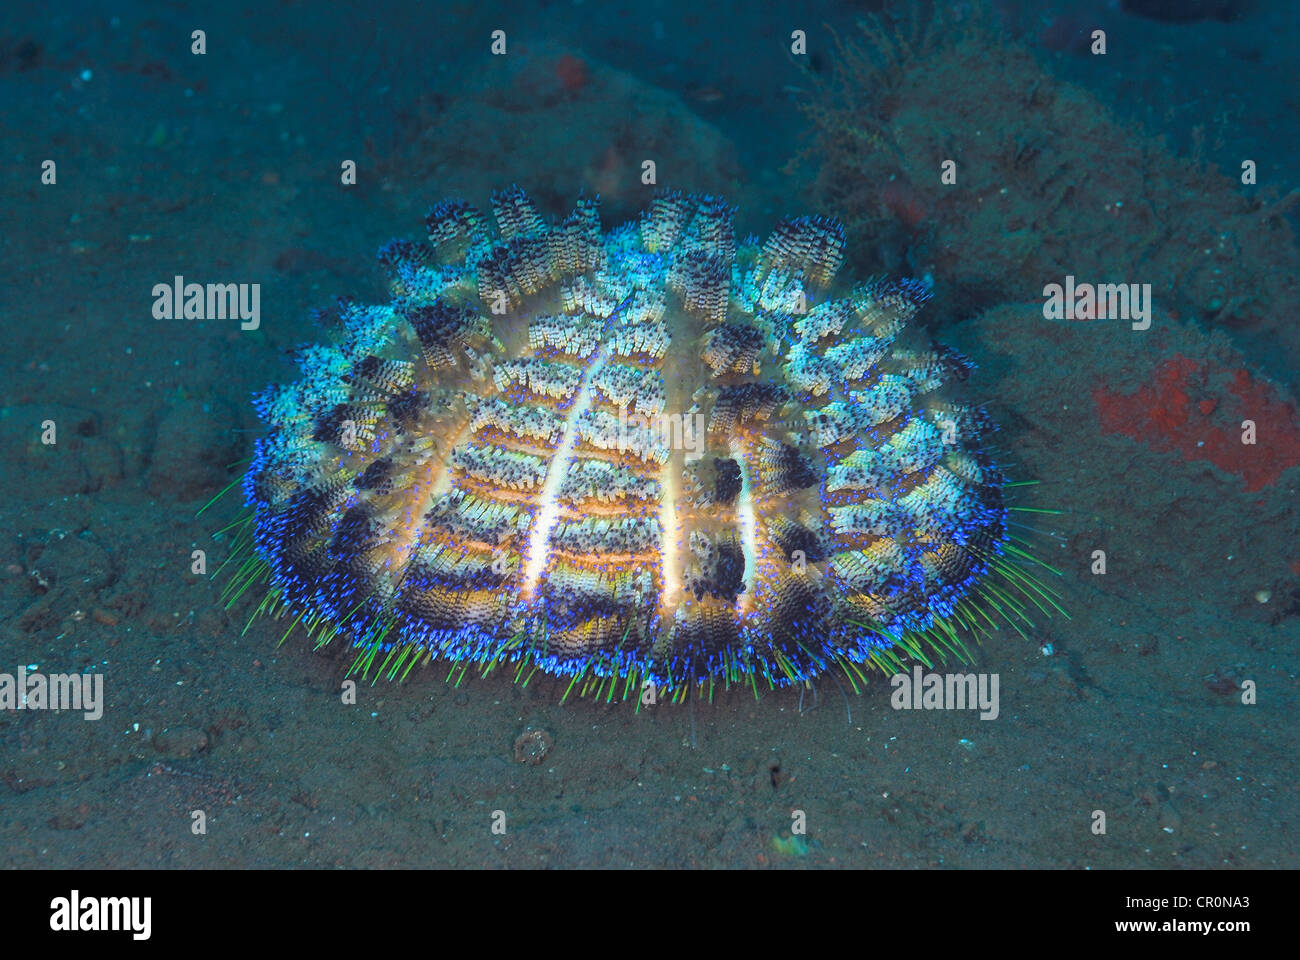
[[532, 745], [181, 742]]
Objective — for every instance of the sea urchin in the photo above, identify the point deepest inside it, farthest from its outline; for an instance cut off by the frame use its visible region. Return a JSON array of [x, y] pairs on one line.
[[652, 455]]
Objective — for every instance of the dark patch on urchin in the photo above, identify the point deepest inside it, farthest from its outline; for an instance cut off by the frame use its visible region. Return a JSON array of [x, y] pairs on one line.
[[406, 408], [378, 476], [726, 480], [440, 326], [729, 573], [332, 425], [795, 470], [796, 541]]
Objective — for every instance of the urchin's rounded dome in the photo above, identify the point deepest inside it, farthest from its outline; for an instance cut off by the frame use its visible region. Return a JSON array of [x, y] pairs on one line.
[[649, 454]]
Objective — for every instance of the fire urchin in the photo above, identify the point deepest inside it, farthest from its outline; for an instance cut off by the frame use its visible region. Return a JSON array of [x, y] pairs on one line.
[[649, 455]]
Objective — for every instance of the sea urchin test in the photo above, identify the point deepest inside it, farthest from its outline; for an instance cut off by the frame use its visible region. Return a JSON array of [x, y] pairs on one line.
[[652, 455]]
